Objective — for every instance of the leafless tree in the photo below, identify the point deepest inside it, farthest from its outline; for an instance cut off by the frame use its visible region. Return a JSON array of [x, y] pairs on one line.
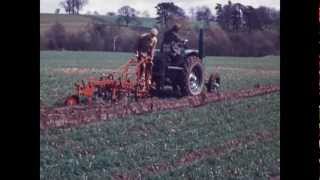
[[111, 13], [73, 6], [168, 11], [204, 14], [127, 15], [57, 11]]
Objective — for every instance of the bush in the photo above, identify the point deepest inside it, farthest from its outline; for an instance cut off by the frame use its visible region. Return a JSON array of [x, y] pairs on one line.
[[264, 43], [217, 42], [127, 40], [56, 37], [43, 43], [78, 41]]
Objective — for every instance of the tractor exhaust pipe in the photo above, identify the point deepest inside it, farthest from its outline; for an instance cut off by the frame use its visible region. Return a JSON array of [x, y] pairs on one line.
[[200, 44]]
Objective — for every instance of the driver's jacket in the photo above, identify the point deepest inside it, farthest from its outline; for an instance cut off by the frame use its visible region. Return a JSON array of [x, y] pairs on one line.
[[171, 43]]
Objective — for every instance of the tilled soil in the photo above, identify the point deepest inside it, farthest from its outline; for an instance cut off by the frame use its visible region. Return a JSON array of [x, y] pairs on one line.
[[77, 71], [75, 115]]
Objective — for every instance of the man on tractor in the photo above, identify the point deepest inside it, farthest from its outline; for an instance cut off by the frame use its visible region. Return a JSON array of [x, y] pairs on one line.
[[171, 49], [145, 49], [171, 44]]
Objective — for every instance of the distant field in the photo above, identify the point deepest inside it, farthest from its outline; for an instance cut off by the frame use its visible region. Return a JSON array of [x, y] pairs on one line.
[[59, 71], [72, 23], [75, 23]]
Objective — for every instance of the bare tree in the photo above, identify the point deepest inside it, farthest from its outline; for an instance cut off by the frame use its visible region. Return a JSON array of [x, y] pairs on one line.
[[127, 15], [231, 17], [168, 11], [79, 4], [204, 14], [57, 11], [111, 13], [67, 5], [73, 6]]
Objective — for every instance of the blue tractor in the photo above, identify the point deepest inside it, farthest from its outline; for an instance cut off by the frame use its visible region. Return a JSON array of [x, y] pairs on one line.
[[187, 76]]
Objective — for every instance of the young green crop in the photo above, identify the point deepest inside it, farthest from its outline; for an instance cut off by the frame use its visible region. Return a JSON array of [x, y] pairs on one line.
[[100, 150]]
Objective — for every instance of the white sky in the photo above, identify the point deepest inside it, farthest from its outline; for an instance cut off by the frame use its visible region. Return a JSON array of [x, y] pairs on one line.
[[104, 6]]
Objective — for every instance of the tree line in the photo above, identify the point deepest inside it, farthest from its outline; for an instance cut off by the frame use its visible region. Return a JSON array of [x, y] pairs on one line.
[[231, 16], [72, 6], [235, 30]]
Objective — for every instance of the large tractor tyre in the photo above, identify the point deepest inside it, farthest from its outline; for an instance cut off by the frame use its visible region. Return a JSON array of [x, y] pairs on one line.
[[192, 77]]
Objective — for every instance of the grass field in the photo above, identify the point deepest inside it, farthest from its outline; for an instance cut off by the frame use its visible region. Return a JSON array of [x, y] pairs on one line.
[[133, 145]]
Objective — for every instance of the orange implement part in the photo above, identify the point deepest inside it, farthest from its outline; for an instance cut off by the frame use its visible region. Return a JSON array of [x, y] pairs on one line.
[[119, 81], [72, 100], [86, 89]]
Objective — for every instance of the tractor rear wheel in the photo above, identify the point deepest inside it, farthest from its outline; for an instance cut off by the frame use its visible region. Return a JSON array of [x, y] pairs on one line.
[[193, 77]]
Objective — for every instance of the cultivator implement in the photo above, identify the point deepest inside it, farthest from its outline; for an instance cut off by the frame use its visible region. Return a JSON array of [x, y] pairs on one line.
[[131, 80]]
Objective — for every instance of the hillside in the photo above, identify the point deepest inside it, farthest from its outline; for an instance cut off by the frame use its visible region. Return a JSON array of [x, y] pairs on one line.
[[74, 23], [217, 40]]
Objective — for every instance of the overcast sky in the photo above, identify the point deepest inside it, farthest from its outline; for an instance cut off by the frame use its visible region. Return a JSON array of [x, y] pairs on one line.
[[103, 6]]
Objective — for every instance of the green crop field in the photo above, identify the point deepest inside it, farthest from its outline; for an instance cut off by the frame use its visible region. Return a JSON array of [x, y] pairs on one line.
[[131, 146]]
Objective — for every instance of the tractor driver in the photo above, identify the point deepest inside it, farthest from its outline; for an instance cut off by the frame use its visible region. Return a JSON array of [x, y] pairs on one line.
[[171, 44], [145, 49], [171, 47]]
